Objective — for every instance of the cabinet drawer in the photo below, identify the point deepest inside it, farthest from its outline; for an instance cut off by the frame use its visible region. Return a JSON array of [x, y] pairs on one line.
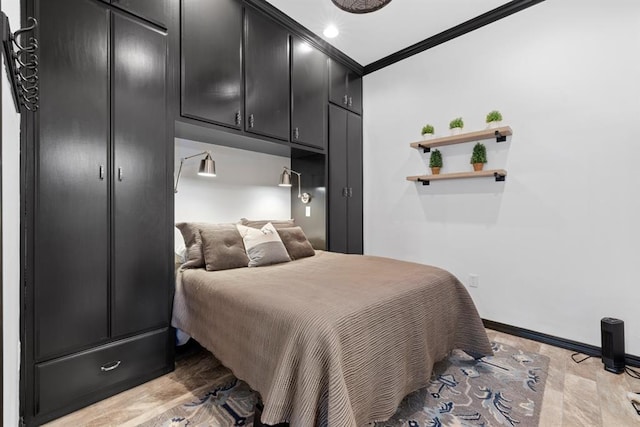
[[62, 382]]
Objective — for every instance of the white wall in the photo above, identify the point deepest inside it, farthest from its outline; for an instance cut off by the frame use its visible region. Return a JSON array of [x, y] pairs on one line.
[[10, 238], [246, 185], [556, 245]]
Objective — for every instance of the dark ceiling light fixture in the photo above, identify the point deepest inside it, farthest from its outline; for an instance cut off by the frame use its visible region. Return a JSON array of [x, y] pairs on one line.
[[360, 6]]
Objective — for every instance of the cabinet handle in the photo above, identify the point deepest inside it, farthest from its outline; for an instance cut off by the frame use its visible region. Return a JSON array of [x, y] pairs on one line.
[[345, 192], [120, 174], [238, 118], [350, 101], [110, 366], [251, 120], [296, 133], [101, 173], [345, 100], [350, 192]]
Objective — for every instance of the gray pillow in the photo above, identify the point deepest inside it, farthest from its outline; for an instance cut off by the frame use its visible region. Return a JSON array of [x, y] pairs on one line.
[[264, 246], [259, 223], [192, 240], [223, 249], [296, 242]]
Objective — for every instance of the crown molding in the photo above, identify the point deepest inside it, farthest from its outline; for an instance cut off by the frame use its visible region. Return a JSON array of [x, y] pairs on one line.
[[452, 33]]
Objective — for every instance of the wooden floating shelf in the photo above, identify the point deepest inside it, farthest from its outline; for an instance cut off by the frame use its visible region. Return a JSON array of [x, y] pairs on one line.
[[500, 134], [498, 174]]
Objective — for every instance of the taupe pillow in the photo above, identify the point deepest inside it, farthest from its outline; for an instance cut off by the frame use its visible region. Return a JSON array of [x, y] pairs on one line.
[[191, 234], [296, 242], [223, 249], [264, 246], [259, 223]]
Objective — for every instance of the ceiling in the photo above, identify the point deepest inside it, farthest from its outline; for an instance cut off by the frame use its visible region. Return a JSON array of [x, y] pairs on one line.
[[372, 36]]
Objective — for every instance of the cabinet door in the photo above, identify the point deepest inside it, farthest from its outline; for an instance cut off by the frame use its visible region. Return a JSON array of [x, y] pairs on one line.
[[211, 61], [267, 77], [338, 77], [153, 10], [338, 237], [140, 269], [354, 182], [354, 86], [71, 243], [308, 94]]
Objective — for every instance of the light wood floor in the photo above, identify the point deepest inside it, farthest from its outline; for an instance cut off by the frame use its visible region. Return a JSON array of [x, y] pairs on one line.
[[583, 395]]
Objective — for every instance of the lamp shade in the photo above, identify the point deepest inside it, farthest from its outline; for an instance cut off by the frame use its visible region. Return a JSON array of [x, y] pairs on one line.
[[207, 166], [360, 6], [285, 179]]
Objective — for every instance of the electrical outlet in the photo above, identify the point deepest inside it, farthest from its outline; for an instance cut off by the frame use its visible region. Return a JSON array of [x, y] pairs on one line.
[[474, 280]]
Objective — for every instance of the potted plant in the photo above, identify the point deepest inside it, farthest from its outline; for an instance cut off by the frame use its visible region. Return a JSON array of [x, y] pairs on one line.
[[479, 157], [456, 126], [427, 132], [435, 162], [494, 119]]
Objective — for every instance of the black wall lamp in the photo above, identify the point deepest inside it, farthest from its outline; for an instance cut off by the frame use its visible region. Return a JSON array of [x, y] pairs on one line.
[[285, 181], [207, 167]]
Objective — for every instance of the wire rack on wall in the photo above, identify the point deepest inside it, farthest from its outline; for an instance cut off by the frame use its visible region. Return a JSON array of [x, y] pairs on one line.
[[21, 63]]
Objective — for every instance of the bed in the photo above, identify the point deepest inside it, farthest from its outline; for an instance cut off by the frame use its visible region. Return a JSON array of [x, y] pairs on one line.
[[332, 339]]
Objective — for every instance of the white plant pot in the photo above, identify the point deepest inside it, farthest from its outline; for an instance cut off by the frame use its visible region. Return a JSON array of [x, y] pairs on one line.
[[456, 131], [494, 125], [427, 136]]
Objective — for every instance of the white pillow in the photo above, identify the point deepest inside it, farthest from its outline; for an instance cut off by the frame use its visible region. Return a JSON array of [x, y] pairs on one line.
[[263, 246], [179, 248]]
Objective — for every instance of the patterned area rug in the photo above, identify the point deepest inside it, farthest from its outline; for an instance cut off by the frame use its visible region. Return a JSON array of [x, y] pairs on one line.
[[503, 390]]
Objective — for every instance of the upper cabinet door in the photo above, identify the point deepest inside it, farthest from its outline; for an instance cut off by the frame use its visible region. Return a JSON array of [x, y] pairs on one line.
[[338, 76], [211, 61], [308, 95], [141, 252], [71, 245], [266, 76], [153, 10], [354, 84], [345, 87]]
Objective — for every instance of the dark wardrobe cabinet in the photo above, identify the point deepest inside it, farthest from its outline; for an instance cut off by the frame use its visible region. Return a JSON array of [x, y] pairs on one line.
[[212, 61], [266, 76], [308, 94], [97, 303], [345, 87], [212, 68], [345, 181]]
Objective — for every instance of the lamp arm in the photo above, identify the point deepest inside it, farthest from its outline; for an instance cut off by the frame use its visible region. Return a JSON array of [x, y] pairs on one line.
[[175, 188], [196, 155], [299, 176]]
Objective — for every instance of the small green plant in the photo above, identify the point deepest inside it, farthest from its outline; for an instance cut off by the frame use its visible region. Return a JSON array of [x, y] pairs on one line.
[[435, 161], [494, 116], [427, 129], [479, 154], [456, 123]]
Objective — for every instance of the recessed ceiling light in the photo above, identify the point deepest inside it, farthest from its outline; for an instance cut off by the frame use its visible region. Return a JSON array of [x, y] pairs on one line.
[[331, 31]]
